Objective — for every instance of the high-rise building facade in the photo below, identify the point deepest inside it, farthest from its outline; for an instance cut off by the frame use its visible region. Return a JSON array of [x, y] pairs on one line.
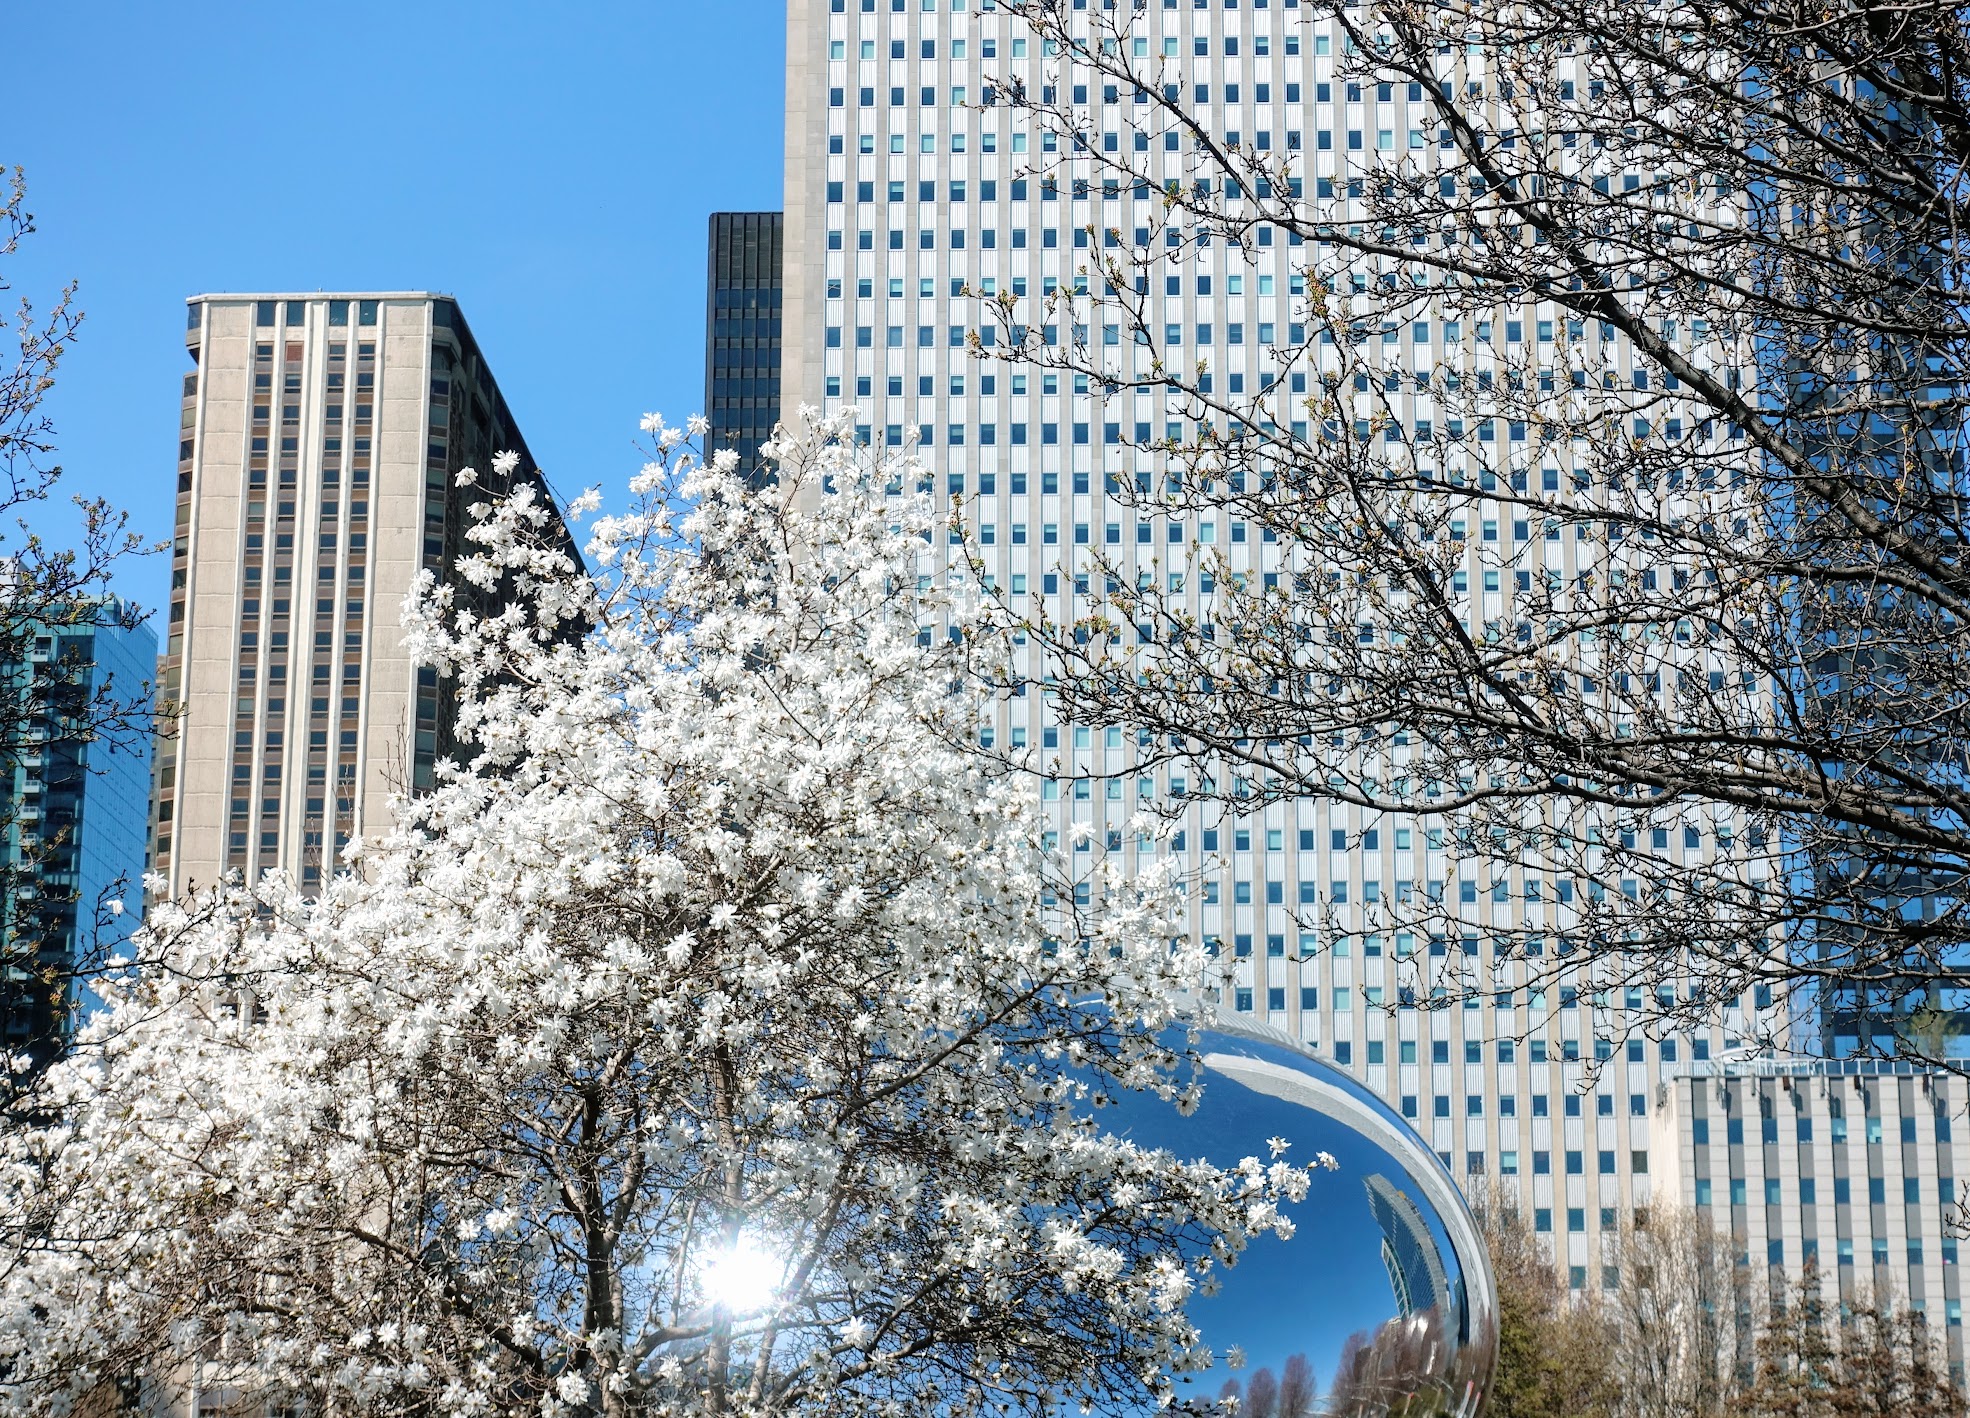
[[319, 449], [743, 302], [911, 205], [72, 808]]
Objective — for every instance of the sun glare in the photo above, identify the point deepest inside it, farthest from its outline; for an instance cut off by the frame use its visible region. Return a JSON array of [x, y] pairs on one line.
[[744, 1277]]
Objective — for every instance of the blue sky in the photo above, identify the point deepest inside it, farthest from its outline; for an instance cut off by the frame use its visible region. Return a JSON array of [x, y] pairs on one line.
[[552, 166]]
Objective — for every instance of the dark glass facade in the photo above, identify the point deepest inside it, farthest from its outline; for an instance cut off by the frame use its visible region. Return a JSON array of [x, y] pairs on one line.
[[73, 811], [742, 332]]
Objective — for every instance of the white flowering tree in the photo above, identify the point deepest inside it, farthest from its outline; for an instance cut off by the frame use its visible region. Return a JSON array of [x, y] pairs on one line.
[[712, 1044]]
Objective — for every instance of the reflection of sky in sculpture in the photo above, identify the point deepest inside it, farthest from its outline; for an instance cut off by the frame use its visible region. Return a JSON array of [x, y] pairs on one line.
[[1331, 1281]]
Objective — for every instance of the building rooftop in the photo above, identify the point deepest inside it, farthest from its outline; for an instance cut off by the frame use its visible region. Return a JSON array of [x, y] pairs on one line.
[[321, 295], [1800, 1066]]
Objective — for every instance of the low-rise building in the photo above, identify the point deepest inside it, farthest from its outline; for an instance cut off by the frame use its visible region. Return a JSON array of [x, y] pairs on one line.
[[1852, 1164]]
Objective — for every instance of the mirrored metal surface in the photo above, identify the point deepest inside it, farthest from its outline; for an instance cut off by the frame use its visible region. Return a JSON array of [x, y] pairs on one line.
[[1382, 1302]]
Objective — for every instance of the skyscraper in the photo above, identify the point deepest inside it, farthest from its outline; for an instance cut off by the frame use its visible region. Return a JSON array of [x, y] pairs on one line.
[[742, 323], [72, 805], [318, 459], [913, 205]]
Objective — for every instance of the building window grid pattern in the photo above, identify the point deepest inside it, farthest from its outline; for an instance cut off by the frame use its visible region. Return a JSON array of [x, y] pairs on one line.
[[335, 604], [895, 308], [450, 410], [262, 528], [290, 774], [476, 426], [746, 297], [278, 601], [1854, 1172], [71, 812]]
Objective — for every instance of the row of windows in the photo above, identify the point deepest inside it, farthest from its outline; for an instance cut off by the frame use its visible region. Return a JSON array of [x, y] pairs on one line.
[[1375, 998], [1109, 188], [1807, 1190], [1080, 94], [1878, 1252], [1414, 139], [1365, 839], [1169, 46], [1484, 332], [958, 336], [1552, 579], [1343, 1053], [1423, 432], [1264, 283], [1115, 483], [1230, 94], [1395, 381], [1267, 381], [1768, 1130], [296, 312], [1112, 238]]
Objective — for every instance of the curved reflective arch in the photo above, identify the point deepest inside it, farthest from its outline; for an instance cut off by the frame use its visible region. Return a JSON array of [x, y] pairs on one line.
[[1384, 1292]]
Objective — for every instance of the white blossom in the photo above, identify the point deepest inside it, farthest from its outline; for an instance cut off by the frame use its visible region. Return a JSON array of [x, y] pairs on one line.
[[721, 946]]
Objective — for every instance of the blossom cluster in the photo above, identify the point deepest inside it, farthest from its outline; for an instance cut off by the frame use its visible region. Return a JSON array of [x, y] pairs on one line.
[[720, 1037]]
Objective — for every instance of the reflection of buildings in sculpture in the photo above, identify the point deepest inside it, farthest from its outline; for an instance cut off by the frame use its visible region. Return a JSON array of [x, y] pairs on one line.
[[1402, 1368], [1413, 1259], [1415, 1269], [1428, 1354], [1408, 1240]]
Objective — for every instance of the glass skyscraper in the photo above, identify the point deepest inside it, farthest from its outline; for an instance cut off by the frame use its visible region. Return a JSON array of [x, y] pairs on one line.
[[742, 322], [72, 813]]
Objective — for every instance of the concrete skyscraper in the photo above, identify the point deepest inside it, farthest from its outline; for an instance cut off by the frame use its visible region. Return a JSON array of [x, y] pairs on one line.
[[912, 203], [320, 444]]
